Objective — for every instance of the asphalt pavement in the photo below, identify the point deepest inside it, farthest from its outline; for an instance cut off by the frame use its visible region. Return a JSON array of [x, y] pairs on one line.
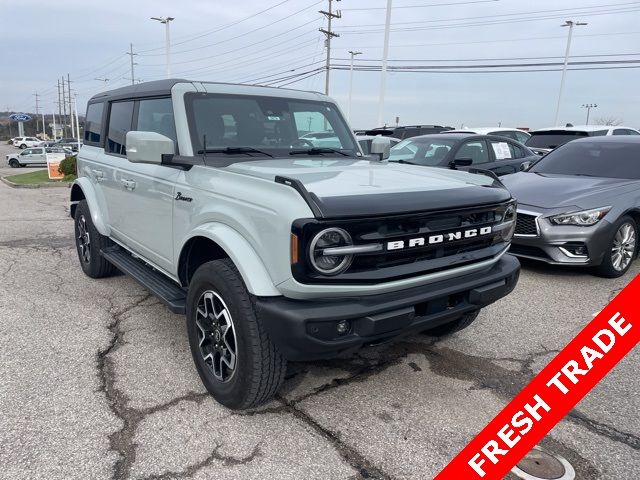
[[96, 379]]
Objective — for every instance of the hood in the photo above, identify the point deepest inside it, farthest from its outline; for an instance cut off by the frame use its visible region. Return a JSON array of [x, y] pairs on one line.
[[353, 187], [552, 191]]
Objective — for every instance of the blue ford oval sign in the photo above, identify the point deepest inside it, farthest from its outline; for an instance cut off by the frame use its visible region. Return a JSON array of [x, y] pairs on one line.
[[20, 117]]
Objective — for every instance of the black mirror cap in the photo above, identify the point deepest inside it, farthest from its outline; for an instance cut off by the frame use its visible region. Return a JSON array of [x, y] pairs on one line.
[[461, 162]]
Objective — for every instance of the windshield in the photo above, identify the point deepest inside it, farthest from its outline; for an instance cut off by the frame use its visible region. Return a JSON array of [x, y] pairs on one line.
[[269, 124], [594, 159], [422, 151], [555, 138]]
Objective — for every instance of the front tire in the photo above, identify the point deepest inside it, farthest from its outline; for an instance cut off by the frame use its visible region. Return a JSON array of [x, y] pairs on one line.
[[237, 362], [621, 250], [13, 163], [455, 326], [22, 146], [89, 242]]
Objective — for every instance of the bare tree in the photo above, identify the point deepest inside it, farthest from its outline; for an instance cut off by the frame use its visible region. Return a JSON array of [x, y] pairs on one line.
[[611, 121]]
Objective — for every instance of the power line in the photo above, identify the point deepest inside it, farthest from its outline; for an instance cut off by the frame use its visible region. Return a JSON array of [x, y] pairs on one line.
[[420, 6], [489, 59]]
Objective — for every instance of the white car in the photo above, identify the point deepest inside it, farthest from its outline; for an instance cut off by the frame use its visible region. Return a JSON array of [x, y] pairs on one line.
[[26, 142], [544, 140], [326, 139], [34, 156], [512, 133]]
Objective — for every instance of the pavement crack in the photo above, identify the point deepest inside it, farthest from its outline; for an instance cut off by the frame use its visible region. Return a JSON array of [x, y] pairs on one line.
[[605, 430], [122, 441], [364, 468]]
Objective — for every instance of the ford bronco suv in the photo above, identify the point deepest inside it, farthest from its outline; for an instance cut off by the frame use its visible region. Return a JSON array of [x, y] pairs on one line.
[[274, 248]]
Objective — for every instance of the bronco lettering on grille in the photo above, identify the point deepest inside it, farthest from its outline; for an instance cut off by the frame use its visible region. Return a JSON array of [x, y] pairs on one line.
[[439, 238]]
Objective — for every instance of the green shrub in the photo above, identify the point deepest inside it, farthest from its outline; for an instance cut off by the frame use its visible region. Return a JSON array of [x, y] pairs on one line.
[[68, 166], [69, 178]]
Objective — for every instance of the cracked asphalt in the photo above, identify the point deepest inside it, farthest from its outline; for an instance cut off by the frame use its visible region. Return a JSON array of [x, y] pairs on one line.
[[96, 380]]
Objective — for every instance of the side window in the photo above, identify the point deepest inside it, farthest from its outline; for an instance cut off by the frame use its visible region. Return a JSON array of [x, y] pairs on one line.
[[632, 132], [503, 150], [598, 133], [505, 133], [475, 150], [620, 131], [156, 115], [93, 123], [120, 119]]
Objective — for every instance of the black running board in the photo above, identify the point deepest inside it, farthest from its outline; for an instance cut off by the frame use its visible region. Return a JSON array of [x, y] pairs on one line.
[[170, 293]]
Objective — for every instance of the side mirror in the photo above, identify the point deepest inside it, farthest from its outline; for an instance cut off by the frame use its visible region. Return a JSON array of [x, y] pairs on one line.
[[524, 166], [381, 146], [148, 147], [461, 162]]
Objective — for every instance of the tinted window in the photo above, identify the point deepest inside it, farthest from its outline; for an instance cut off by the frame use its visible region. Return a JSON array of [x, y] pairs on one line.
[[620, 131], [93, 123], [553, 139], [506, 150], [595, 159], [505, 133], [475, 150], [632, 132], [119, 124], [423, 151], [156, 115], [599, 133]]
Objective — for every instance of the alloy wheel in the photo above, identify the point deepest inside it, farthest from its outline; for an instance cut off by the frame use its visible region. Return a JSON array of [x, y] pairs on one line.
[[624, 247], [84, 240], [217, 344]]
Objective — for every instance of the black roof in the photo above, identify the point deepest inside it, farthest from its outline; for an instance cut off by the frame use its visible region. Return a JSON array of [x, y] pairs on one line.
[[145, 89]]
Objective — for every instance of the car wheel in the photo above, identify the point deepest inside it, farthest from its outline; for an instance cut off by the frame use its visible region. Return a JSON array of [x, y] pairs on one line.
[[89, 242], [454, 326], [13, 163], [237, 362], [22, 146], [622, 249]]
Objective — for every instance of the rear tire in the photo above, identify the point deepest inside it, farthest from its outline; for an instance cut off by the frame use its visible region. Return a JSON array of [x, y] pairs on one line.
[[235, 358], [22, 146], [89, 242], [621, 250], [453, 327]]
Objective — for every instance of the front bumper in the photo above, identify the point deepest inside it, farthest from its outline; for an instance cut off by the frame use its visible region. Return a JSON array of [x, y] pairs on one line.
[[307, 330], [556, 244]]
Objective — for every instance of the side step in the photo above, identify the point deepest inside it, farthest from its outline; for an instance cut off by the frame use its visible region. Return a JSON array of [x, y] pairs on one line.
[[166, 290]]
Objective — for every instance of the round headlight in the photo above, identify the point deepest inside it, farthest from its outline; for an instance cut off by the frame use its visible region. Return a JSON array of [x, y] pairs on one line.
[[330, 264]]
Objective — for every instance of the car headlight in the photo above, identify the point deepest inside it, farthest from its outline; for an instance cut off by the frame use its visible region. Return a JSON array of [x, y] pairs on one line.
[[582, 219], [320, 255]]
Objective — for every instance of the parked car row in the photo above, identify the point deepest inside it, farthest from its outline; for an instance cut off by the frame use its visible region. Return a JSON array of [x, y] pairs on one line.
[[28, 142]]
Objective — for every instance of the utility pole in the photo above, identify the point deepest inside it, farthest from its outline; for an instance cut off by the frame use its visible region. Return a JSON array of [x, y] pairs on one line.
[[385, 56], [570, 24], [37, 112], [589, 106], [167, 38], [353, 54], [64, 110], [53, 129], [329, 34], [75, 103], [131, 54], [59, 104], [9, 112], [70, 106]]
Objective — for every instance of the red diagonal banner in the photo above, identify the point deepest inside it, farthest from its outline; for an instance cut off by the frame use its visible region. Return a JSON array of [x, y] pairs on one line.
[[553, 392]]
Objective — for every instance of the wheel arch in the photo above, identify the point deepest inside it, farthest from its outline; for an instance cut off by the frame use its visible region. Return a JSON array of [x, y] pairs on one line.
[[216, 241], [82, 189]]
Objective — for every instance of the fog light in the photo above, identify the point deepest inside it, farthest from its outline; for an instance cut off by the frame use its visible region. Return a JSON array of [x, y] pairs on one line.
[[343, 327]]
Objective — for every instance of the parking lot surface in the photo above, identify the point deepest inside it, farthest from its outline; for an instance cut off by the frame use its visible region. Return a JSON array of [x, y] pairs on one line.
[[97, 381]]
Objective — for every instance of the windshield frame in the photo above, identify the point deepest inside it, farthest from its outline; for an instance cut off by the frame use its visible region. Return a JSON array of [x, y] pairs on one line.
[[335, 120]]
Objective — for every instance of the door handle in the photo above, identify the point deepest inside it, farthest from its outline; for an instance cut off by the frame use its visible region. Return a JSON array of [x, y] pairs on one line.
[[99, 174], [128, 184]]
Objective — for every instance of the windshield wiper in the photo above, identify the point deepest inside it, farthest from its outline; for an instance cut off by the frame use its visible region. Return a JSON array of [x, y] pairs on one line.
[[233, 151], [406, 162], [317, 151]]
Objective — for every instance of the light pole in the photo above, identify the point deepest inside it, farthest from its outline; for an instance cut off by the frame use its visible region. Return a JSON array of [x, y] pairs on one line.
[[589, 106], [353, 54], [166, 21], [385, 56], [570, 24]]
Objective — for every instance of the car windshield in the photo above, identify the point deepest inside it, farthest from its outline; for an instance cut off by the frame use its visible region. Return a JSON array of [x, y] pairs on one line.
[[231, 124], [594, 159], [555, 138], [422, 151]]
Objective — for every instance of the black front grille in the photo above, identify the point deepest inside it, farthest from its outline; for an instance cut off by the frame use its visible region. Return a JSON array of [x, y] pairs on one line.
[[526, 224]]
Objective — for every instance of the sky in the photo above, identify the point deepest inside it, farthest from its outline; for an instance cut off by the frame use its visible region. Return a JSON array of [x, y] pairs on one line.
[[266, 41]]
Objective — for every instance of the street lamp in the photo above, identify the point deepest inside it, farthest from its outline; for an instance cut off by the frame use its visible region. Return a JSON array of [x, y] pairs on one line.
[[589, 106], [570, 24], [353, 54], [166, 21]]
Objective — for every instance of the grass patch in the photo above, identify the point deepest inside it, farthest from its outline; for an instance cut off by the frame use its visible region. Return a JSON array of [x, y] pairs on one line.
[[30, 178]]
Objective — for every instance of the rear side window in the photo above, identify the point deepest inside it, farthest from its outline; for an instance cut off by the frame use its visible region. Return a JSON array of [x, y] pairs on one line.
[[156, 115], [598, 133], [120, 120], [93, 124]]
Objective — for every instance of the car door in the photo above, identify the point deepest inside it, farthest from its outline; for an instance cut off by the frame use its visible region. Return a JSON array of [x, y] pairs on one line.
[[145, 192]]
